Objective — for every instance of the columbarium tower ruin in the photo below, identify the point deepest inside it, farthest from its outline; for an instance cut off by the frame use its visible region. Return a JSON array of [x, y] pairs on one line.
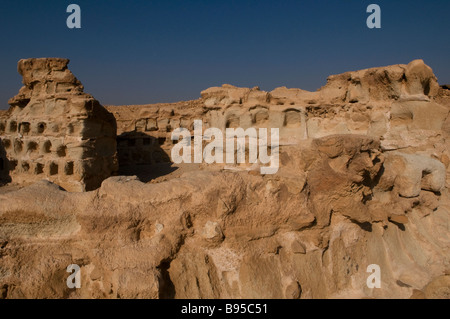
[[55, 131]]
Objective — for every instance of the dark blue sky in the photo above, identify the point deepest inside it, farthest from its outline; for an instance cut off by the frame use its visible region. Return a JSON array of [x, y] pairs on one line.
[[137, 52]]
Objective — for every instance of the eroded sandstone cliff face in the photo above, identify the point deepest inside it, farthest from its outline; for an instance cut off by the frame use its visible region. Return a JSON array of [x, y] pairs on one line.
[[363, 179]]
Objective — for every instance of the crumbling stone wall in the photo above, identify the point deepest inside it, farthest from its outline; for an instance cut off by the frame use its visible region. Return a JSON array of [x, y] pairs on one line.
[[55, 131], [402, 105], [144, 131]]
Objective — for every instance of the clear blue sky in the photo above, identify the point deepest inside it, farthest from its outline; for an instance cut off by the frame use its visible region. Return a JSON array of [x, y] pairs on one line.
[[137, 52]]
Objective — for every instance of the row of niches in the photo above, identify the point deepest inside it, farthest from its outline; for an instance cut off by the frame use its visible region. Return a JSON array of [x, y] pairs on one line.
[[48, 168], [162, 124], [52, 87], [262, 117], [23, 128], [20, 147], [39, 128], [290, 118]]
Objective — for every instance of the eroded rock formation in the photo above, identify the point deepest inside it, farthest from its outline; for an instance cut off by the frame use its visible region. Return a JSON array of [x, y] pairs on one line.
[[363, 179], [402, 105], [55, 131]]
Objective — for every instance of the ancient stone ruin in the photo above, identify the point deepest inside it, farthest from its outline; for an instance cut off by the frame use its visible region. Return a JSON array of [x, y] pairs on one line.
[[399, 104], [364, 180], [55, 131]]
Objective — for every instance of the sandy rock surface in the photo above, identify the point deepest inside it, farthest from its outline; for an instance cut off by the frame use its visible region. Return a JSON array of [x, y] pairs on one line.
[[363, 179]]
